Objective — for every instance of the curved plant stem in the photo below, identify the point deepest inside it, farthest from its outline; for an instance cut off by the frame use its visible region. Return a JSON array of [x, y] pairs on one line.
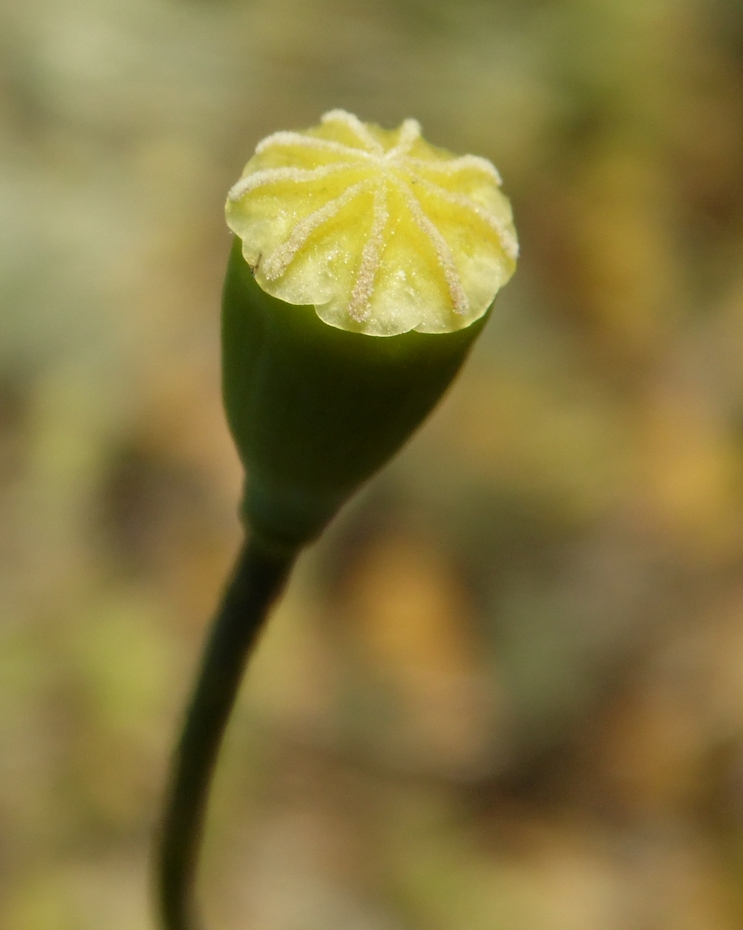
[[257, 580]]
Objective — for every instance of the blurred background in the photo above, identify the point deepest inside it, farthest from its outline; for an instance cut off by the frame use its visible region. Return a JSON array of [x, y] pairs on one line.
[[505, 691]]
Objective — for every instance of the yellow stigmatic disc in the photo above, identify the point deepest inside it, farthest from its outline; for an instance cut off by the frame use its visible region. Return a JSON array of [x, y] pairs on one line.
[[378, 230]]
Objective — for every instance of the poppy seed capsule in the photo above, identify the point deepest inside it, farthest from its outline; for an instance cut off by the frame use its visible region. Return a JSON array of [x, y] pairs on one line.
[[348, 233]]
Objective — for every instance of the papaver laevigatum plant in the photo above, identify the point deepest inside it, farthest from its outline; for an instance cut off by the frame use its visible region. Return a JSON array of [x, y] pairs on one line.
[[364, 265]]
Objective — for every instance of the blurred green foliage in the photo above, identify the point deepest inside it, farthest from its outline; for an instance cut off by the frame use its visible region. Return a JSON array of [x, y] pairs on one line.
[[505, 691]]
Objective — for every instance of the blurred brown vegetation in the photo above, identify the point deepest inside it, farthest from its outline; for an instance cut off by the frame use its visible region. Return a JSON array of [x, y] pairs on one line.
[[506, 690]]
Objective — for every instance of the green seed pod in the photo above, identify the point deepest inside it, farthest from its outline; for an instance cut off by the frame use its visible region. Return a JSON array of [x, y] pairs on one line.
[[365, 266]]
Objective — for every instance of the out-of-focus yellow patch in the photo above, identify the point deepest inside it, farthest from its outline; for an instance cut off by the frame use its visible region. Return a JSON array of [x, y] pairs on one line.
[[380, 231]]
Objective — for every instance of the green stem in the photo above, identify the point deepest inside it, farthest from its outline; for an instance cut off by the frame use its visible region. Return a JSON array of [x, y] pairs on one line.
[[257, 581]]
